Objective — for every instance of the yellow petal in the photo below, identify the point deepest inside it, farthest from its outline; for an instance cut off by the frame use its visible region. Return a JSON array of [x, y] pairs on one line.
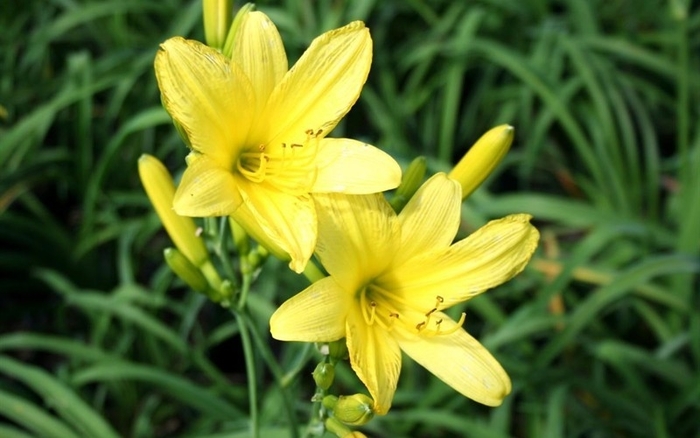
[[460, 361], [317, 314], [208, 95], [357, 236], [277, 219], [259, 51], [492, 255], [320, 89], [353, 167], [430, 220], [206, 189], [376, 359]]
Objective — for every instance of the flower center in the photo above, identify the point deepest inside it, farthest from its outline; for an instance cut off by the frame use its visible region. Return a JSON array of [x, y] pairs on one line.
[[290, 167], [386, 309]]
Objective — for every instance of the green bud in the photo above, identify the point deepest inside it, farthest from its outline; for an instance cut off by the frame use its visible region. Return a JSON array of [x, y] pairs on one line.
[[329, 402], [411, 180], [235, 26], [240, 237], [354, 410], [338, 350], [188, 272], [324, 375], [337, 428]]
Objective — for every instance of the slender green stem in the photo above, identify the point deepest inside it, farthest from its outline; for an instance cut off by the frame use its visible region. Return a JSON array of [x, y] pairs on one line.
[[247, 280], [264, 349], [312, 272], [222, 252], [250, 374]]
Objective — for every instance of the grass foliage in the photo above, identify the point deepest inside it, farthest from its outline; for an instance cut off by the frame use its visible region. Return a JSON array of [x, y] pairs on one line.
[[601, 334]]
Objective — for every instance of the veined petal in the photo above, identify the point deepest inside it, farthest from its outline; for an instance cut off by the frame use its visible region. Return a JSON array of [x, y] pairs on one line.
[[316, 314], [321, 87], [357, 236], [353, 167], [431, 218], [460, 361], [376, 359], [283, 220], [210, 97], [206, 189], [492, 255], [259, 51]]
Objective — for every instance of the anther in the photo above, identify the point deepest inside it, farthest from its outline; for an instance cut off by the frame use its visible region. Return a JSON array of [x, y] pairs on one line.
[[296, 145], [420, 326]]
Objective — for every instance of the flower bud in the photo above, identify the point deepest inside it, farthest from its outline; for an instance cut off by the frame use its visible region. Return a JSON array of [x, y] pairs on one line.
[[237, 23], [188, 272], [411, 180], [217, 20], [337, 428], [329, 402], [354, 410], [338, 350], [354, 434], [482, 158], [324, 375], [160, 189]]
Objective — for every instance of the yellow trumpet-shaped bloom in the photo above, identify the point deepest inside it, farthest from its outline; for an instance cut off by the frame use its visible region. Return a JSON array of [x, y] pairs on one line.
[[391, 278], [258, 130]]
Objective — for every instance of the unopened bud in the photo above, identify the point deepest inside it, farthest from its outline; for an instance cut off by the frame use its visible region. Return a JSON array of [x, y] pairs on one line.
[[233, 31], [217, 20], [354, 410], [482, 158], [160, 189], [411, 180], [324, 375], [188, 272], [337, 428], [338, 350]]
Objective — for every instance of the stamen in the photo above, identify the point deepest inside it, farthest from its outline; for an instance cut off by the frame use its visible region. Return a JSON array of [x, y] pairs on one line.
[[455, 328], [393, 316]]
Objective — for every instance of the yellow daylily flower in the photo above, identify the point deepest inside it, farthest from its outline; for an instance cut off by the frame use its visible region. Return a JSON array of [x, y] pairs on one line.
[[391, 278], [258, 130]]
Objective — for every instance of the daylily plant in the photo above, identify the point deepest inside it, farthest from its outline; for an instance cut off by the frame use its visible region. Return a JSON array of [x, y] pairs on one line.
[[258, 130], [390, 279]]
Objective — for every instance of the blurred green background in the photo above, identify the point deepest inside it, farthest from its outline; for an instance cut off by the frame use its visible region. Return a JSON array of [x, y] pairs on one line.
[[601, 334]]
